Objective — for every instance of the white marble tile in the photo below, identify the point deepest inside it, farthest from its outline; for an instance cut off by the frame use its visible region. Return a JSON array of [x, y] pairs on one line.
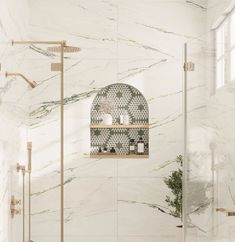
[[135, 42], [142, 210], [89, 201], [76, 238]]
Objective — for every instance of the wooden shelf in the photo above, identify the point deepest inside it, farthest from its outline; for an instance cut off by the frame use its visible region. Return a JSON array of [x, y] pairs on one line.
[[110, 156], [119, 126]]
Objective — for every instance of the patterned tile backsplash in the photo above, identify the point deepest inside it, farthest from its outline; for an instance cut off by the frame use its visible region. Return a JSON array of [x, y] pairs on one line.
[[125, 99]]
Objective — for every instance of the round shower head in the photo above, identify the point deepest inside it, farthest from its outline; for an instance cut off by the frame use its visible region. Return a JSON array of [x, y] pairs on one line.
[[67, 49]]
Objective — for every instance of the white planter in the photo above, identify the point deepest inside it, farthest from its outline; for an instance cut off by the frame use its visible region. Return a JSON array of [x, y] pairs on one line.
[[107, 119]]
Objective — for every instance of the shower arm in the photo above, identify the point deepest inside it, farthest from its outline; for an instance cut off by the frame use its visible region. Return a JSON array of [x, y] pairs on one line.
[[31, 83]]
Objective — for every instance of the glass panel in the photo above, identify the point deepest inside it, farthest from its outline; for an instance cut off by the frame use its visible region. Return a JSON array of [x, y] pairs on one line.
[[209, 164], [232, 29], [232, 69], [222, 40], [220, 73], [44, 133], [219, 40], [198, 166]]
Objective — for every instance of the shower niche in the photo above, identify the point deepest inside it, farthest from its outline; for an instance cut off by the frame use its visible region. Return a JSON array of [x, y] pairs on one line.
[[119, 123]]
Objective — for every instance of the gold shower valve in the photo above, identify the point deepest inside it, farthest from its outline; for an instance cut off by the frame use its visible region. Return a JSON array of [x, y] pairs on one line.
[[14, 212], [15, 201]]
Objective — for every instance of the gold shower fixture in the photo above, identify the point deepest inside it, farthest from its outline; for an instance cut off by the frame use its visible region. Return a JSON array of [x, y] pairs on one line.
[[61, 48], [67, 49], [13, 204], [33, 84]]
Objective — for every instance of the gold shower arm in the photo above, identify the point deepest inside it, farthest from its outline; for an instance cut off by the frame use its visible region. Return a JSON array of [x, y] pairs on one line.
[[31, 83], [31, 42]]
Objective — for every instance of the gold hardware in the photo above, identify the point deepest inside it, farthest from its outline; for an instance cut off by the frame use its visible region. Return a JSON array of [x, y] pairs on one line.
[[227, 212], [13, 204], [62, 48], [189, 66], [29, 145], [55, 66], [15, 201], [15, 212], [29, 148], [66, 49], [33, 84]]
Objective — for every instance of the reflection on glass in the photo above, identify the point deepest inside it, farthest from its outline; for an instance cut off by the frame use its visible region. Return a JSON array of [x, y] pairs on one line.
[[232, 29], [220, 42], [220, 73]]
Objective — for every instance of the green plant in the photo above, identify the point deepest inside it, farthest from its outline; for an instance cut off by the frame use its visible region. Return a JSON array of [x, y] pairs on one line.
[[197, 200], [174, 182]]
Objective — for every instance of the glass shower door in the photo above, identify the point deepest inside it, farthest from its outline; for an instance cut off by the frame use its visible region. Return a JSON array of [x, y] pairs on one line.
[[209, 165]]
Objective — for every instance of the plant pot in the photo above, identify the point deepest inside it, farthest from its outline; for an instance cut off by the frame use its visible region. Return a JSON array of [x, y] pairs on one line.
[[107, 119]]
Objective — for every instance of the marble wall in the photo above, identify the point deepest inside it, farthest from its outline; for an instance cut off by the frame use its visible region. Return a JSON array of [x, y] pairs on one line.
[[13, 114], [134, 42]]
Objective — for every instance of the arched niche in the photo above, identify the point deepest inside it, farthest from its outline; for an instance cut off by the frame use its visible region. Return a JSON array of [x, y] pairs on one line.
[[122, 99]]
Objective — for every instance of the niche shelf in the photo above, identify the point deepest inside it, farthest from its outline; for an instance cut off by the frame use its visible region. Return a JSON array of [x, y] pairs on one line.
[[99, 156], [119, 126], [125, 99]]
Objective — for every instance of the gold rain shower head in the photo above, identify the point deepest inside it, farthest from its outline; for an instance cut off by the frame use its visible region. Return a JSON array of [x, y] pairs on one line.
[[33, 84], [67, 49]]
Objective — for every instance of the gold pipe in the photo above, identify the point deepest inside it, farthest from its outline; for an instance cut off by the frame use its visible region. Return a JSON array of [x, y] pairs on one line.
[[62, 139], [23, 208], [23, 170], [29, 148], [29, 42]]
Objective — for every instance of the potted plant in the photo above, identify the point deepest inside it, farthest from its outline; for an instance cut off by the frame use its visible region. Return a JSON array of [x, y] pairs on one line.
[[174, 183], [197, 201]]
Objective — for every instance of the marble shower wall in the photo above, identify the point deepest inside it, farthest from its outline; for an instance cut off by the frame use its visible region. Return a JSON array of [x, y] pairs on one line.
[[135, 42], [13, 113]]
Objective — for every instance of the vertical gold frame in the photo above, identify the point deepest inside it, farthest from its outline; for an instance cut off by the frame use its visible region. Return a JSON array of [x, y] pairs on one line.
[[62, 45]]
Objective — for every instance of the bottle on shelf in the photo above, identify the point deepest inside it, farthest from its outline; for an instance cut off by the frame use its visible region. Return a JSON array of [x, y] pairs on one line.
[[140, 146], [112, 150], [105, 150], [132, 146]]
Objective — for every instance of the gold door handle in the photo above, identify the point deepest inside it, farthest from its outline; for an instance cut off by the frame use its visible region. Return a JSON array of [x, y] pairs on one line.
[[226, 211]]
